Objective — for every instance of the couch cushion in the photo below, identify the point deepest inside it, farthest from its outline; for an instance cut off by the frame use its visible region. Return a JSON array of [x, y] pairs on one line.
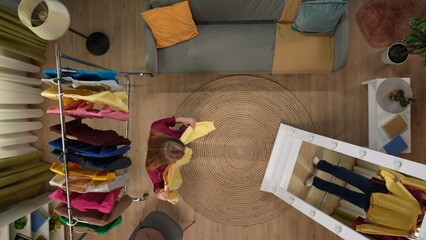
[[230, 10], [320, 16], [171, 24], [340, 43], [222, 48]]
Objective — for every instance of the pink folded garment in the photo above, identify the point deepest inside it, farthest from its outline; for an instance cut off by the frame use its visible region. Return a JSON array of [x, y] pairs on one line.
[[85, 109], [103, 202], [95, 217]]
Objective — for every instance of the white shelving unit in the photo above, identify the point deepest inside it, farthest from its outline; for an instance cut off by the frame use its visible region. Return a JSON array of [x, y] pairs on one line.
[[25, 208], [377, 116], [26, 231]]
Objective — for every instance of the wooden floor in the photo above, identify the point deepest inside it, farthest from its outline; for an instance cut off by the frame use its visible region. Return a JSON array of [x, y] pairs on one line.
[[337, 104]]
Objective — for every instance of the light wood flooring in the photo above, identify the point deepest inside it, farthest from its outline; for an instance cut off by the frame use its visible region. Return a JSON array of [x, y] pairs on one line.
[[336, 102]]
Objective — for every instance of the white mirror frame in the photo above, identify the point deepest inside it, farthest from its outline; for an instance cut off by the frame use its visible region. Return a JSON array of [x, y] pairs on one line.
[[283, 159]]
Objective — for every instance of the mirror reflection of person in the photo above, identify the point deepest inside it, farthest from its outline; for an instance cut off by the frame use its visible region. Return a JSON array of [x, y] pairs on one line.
[[391, 208], [165, 148]]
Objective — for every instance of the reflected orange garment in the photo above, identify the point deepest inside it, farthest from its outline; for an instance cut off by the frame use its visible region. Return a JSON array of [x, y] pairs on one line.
[[393, 214], [75, 170], [112, 99]]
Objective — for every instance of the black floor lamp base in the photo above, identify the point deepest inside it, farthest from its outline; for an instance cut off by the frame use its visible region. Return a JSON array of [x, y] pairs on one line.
[[97, 43]]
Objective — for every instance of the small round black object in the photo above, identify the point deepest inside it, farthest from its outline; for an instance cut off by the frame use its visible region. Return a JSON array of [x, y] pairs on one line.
[[97, 43]]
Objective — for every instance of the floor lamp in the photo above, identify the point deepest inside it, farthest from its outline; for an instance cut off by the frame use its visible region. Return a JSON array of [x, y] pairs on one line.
[[50, 19]]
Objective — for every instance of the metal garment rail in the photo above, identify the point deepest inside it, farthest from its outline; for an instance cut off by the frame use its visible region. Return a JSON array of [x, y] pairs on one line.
[[59, 70]]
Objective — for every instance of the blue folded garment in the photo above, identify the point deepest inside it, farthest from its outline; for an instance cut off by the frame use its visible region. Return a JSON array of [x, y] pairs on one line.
[[396, 146], [98, 164], [84, 74], [89, 150]]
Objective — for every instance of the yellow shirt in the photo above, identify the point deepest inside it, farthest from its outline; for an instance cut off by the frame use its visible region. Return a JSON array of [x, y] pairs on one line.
[[172, 176], [394, 214], [75, 170], [112, 99]]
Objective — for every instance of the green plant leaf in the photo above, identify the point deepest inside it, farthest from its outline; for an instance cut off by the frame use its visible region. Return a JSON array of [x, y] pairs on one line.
[[416, 40]]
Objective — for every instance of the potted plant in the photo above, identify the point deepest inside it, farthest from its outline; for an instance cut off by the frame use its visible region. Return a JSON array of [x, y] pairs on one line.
[[413, 43], [416, 40], [398, 95]]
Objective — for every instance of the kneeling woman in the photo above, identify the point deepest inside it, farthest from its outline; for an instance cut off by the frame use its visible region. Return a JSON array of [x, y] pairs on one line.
[[164, 148]]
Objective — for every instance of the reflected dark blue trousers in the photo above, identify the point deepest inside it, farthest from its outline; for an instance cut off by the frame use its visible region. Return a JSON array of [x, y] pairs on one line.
[[364, 184]]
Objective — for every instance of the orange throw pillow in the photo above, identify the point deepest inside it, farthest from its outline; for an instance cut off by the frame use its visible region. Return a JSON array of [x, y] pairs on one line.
[[171, 24]]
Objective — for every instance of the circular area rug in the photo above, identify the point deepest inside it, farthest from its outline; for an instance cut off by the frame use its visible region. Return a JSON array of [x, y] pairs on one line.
[[222, 181], [384, 22]]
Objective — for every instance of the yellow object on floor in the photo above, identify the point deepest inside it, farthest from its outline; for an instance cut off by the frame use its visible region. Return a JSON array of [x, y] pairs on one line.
[[297, 52], [112, 99], [172, 176], [75, 170]]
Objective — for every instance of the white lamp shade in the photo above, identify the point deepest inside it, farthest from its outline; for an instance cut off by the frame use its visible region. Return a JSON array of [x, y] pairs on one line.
[[56, 24]]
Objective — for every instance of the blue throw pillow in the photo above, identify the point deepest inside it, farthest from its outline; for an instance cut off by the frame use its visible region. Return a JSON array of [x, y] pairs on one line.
[[319, 16]]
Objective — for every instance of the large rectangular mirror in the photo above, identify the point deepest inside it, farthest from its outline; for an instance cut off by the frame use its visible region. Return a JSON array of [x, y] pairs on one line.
[[291, 165]]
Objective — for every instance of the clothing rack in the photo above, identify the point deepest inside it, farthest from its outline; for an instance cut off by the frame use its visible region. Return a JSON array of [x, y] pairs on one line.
[[59, 70]]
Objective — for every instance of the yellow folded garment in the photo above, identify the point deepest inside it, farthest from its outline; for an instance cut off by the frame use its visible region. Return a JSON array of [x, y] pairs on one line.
[[112, 99], [297, 52], [75, 170], [172, 176]]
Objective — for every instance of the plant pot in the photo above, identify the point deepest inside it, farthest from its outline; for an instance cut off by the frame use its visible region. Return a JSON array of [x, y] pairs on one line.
[[395, 54]]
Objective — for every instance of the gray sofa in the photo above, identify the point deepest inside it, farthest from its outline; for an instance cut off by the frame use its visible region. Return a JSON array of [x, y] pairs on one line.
[[235, 37]]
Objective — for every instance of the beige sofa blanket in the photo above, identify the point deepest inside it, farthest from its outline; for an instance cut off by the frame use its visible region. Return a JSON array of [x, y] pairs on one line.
[[296, 52]]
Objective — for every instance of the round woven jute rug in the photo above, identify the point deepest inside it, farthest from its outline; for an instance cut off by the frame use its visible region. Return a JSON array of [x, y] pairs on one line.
[[222, 180]]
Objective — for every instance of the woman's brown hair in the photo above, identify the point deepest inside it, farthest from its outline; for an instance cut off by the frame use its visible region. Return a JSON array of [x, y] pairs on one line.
[[163, 150]]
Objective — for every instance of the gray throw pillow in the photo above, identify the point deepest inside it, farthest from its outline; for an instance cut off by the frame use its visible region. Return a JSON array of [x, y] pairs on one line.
[[319, 16], [162, 3]]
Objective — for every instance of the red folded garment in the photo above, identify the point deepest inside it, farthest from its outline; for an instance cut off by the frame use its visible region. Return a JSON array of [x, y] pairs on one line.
[[86, 134]]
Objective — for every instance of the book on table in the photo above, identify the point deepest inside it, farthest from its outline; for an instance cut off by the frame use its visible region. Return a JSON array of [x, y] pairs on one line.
[[394, 126], [396, 146]]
